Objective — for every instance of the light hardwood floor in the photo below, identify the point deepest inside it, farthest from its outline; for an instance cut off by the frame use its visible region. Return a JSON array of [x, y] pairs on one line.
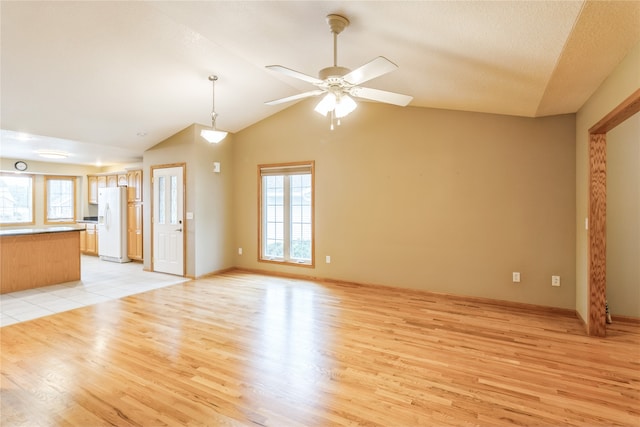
[[245, 349]]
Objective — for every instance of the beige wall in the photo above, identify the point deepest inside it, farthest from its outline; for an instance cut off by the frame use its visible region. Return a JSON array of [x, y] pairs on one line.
[[615, 89], [428, 199], [209, 235], [623, 218]]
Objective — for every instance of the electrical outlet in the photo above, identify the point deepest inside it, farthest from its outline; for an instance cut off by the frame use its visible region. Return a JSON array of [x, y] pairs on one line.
[[555, 280], [516, 277], [328, 259], [239, 251]]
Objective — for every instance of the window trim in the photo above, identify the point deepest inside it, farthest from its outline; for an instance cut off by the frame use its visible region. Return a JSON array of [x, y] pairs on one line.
[[286, 168], [33, 200], [48, 178]]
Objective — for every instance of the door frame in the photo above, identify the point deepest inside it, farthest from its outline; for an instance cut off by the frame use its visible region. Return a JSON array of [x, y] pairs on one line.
[[597, 247], [184, 205]]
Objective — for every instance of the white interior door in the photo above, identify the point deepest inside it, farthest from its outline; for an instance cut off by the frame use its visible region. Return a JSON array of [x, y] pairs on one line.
[[168, 224]]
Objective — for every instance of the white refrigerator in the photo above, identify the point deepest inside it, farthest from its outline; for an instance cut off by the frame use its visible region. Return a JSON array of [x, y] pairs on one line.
[[112, 224]]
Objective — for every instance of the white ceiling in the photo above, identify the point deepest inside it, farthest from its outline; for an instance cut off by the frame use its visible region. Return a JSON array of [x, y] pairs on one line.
[[94, 76]]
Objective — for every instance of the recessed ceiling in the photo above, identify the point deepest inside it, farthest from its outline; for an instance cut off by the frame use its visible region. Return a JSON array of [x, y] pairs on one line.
[[108, 80]]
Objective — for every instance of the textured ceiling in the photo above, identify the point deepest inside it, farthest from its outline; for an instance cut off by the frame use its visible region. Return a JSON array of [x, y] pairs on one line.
[[95, 75]]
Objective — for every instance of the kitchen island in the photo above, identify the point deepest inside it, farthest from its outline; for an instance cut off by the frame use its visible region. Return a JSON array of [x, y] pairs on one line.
[[35, 257]]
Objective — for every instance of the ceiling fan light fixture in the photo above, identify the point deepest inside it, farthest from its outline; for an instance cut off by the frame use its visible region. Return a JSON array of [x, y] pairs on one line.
[[328, 103], [345, 106], [213, 136]]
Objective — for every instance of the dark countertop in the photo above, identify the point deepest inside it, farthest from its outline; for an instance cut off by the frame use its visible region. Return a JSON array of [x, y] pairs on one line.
[[43, 230], [88, 220]]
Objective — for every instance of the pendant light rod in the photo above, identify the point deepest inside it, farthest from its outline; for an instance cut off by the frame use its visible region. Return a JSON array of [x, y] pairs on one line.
[[213, 135], [213, 80]]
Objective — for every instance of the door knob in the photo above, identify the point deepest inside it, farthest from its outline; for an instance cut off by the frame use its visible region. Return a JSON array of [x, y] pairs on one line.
[[179, 229]]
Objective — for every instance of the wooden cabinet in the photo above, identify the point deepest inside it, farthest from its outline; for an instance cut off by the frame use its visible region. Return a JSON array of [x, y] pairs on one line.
[[134, 231], [134, 214], [115, 180], [93, 189], [102, 181], [89, 240], [112, 180], [134, 184], [83, 241]]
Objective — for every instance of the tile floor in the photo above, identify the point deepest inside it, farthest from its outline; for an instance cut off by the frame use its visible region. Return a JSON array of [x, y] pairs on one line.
[[101, 281]]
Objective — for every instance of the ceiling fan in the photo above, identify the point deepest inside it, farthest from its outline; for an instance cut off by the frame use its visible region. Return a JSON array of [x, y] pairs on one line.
[[340, 83]]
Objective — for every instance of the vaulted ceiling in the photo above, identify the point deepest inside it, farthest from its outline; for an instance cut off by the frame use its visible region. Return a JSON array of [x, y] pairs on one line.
[[107, 80]]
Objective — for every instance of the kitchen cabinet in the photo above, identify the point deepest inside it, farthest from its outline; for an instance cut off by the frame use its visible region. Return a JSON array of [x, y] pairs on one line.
[[134, 184], [35, 257], [134, 231], [89, 240], [112, 181], [93, 189], [83, 241], [134, 214], [102, 181]]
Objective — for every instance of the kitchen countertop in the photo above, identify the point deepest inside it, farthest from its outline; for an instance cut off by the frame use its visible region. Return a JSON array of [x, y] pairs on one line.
[[42, 230], [88, 220]]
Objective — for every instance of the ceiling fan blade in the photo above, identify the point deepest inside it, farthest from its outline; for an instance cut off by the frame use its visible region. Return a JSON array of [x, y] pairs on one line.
[[370, 70], [295, 97], [381, 96], [295, 74]]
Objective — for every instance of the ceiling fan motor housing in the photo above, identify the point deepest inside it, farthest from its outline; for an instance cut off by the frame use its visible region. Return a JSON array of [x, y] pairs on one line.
[[327, 73]]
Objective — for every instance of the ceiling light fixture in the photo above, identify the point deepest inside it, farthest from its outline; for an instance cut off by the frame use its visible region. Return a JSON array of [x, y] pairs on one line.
[[50, 154], [213, 136], [339, 105]]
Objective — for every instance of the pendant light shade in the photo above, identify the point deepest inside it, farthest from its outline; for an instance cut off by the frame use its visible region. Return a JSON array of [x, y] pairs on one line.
[[213, 136]]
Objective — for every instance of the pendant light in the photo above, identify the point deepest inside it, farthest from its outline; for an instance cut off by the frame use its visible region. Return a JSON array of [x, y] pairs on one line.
[[213, 136]]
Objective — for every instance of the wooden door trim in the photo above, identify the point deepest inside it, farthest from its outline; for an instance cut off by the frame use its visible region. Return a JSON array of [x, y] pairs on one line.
[[597, 255]]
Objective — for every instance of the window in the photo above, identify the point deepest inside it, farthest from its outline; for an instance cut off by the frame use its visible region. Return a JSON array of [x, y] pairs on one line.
[[286, 213], [60, 197], [16, 199]]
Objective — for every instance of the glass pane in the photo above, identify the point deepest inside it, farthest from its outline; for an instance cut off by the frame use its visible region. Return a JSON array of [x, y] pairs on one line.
[[161, 200], [273, 212], [274, 249], [60, 199], [300, 211], [16, 195], [174, 200]]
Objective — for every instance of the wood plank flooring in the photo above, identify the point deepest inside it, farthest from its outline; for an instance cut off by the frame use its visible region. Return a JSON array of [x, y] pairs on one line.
[[244, 349]]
